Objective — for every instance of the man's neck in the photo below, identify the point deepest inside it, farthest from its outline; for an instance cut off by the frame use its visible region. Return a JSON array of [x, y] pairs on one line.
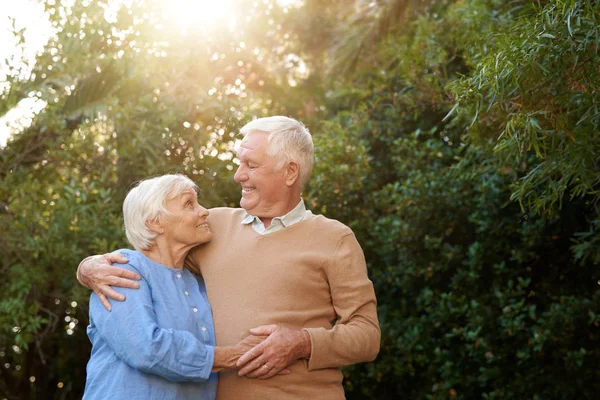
[[290, 206], [266, 221]]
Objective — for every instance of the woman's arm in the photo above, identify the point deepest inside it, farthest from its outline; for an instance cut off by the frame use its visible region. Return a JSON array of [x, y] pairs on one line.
[[132, 332]]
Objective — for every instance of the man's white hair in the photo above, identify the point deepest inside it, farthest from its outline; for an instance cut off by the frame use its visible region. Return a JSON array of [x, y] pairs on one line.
[[289, 140], [146, 202]]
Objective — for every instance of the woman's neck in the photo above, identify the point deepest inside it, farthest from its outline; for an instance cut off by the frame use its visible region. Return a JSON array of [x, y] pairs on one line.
[[172, 256]]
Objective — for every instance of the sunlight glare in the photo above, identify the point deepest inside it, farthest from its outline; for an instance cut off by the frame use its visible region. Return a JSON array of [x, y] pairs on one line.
[[199, 13]]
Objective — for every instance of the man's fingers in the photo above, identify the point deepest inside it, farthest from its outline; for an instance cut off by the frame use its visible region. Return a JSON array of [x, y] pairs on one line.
[[284, 371], [120, 272], [104, 301], [271, 373], [252, 366], [254, 374], [263, 330], [248, 369], [111, 293], [259, 372], [124, 273], [122, 282], [116, 258], [250, 355]]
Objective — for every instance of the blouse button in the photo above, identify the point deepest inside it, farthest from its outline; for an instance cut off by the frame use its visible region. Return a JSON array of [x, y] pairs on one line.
[[203, 329], [179, 275], [186, 293], [194, 309]]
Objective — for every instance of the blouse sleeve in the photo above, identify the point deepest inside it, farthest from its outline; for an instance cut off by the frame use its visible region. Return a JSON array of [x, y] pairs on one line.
[[132, 332]]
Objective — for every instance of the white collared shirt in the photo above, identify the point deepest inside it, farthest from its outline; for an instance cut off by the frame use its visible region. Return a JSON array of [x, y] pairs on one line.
[[298, 214]]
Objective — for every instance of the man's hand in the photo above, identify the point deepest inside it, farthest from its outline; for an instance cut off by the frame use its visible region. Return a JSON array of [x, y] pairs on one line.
[[280, 349], [97, 274], [226, 357]]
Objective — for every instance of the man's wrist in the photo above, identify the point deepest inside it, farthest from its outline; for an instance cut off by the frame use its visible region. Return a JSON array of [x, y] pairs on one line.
[[78, 273]]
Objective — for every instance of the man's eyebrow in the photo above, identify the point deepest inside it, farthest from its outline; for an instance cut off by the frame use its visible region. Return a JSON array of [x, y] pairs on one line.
[[245, 154]]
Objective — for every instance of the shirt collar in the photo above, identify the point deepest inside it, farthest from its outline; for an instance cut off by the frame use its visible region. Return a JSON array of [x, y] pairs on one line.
[[294, 216]]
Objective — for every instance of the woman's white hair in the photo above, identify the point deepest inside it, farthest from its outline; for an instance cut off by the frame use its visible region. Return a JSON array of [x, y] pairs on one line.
[[289, 140], [146, 202]]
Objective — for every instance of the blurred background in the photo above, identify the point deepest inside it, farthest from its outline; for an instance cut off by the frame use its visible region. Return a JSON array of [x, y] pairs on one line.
[[460, 140]]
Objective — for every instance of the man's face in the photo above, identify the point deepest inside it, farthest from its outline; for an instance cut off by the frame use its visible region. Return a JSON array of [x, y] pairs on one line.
[[263, 187]]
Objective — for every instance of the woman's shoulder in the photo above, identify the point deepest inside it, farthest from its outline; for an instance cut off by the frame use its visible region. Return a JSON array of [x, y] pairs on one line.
[[137, 262]]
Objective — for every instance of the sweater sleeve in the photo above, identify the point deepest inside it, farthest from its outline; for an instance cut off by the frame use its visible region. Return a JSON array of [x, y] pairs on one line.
[[132, 332], [356, 335]]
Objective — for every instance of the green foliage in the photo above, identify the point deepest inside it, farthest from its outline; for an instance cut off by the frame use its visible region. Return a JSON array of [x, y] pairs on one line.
[[115, 113], [459, 140], [479, 296], [535, 87]]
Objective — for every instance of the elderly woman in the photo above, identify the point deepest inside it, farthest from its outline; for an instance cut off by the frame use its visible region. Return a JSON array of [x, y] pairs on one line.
[[160, 343]]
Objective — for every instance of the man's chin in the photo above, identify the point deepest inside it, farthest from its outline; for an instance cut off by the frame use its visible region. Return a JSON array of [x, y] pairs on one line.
[[247, 205]]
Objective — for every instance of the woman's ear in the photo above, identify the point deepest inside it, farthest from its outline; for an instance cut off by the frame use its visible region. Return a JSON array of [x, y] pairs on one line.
[[155, 226], [292, 173]]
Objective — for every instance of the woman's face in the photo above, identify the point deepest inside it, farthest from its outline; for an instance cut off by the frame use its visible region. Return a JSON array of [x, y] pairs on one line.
[[186, 221]]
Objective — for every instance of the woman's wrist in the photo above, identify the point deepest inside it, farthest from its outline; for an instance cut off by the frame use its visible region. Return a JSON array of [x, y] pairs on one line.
[[225, 358]]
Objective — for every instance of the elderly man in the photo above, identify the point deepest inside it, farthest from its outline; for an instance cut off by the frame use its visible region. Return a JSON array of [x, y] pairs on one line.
[[299, 277]]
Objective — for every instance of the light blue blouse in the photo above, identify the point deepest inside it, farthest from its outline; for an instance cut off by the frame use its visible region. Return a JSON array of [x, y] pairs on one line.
[[158, 343]]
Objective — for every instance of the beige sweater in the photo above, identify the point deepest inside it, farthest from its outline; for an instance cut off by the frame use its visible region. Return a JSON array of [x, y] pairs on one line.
[[310, 275]]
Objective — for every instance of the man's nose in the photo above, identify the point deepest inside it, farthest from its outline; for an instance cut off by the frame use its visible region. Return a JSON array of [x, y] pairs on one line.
[[240, 174]]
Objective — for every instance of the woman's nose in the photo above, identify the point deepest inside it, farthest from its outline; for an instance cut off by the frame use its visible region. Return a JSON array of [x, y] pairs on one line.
[[203, 212]]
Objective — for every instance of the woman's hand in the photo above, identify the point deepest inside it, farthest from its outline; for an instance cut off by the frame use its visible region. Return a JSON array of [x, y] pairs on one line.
[[248, 343]]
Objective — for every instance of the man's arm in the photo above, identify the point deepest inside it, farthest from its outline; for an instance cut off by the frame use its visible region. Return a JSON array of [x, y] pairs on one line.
[[354, 338], [98, 274]]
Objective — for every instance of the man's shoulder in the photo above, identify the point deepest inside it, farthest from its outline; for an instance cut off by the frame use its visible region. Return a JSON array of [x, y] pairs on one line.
[[330, 225], [225, 213]]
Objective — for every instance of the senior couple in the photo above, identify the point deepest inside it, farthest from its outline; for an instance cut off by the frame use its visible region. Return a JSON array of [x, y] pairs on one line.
[[287, 291]]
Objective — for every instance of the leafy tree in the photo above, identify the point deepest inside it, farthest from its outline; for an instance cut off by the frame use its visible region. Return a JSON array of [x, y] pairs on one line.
[[479, 296], [457, 139], [124, 100]]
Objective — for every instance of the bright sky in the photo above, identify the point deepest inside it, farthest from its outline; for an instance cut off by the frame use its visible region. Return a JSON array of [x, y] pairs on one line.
[[28, 14]]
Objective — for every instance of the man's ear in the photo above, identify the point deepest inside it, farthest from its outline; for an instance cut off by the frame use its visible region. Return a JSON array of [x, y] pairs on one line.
[[155, 226], [292, 173]]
